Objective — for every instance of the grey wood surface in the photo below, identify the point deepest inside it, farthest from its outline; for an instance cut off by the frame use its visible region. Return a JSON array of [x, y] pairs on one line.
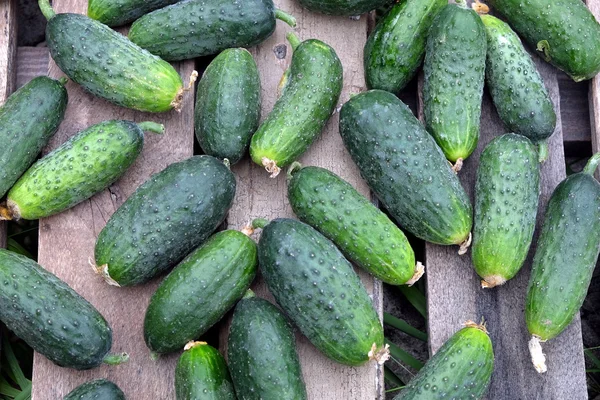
[[454, 294], [31, 62], [66, 243], [260, 196]]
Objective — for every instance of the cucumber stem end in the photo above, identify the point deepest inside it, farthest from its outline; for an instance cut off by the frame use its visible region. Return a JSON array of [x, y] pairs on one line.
[[295, 167], [480, 8], [63, 81], [464, 246], [116, 359], [102, 270], [457, 165], [193, 344], [6, 212], [271, 167], [293, 39], [260, 223], [381, 355], [249, 294], [481, 326], [419, 271], [46, 9], [542, 151], [285, 17], [592, 164], [492, 281], [538, 358], [151, 126]]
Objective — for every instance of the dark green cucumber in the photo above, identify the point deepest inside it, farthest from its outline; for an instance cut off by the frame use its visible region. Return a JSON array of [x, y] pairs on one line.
[[454, 77], [195, 28], [28, 120], [565, 258], [359, 229], [84, 165], [461, 369], [311, 89], [405, 168], [170, 214], [396, 47], [121, 12], [50, 316], [506, 202], [108, 65], [262, 354], [343, 7], [199, 291], [515, 84], [228, 105], [565, 32], [318, 289], [202, 374], [99, 389]]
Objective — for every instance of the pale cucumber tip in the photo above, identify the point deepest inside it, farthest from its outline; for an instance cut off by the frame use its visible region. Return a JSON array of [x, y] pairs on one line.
[[249, 294], [481, 326], [419, 271], [285, 17], [464, 246], [63, 81], [542, 151], [538, 358], [192, 344], [116, 359], [154, 356]]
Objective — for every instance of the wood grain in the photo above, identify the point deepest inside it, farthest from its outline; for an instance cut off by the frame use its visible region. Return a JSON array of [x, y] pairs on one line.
[[260, 196], [454, 294], [31, 62], [8, 65], [66, 242]]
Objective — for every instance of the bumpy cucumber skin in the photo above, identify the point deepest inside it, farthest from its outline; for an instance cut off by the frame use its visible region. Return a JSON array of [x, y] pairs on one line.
[[262, 353], [84, 165], [100, 389], [515, 84], [109, 66], [170, 214], [461, 369], [565, 257], [396, 47], [50, 316], [405, 168], [196, 28], [313, 88], [506, 201], [199, 291], [28, 120], [565, 31], [359, 229], [121, 12], [454, 72], [318, 289], [343, 7], [202, 373], [228, 105]]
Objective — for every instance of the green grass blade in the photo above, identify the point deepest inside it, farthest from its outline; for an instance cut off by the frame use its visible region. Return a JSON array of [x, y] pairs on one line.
[[403, 326], [6, 389], [391, 377], [416, 298], [13, 365], [592, 358], [25, 394], [399, 354], [14, 246]]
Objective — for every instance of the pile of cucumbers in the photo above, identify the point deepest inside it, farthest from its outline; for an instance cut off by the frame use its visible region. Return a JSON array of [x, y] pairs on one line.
[[171, 222]]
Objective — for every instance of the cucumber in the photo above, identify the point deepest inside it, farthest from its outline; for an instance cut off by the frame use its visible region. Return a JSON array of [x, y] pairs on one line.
[[359, 229], [170, 214], [461, 369], [506, 202], [405, 168], [99, 389], [396, 47], [195, 28], [84, 165], [515, 84], [565, 33], [262, 354], [318, 289], [311, 89], [51, 317], [202, 373], [565, 258], [121, 12], [108, 65], [28, 119], [228, 105], [199, 291], [454, 69], [343, 7]]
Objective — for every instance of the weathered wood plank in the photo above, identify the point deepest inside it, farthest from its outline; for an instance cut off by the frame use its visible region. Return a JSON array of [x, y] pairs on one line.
[[67, 242], [575, 109], [31, 62], [260, 196], [8, 55], [454, 293]]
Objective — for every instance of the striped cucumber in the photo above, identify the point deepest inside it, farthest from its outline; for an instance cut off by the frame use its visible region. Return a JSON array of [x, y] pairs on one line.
[[28, 119], [461, 369], [406, 169], [318, 289], [506, 202], [202, 374], [364, 234], [108, 65], [565, 258], [99, 389], [454, 77], [311, 89], [228, 105], [84, 165]]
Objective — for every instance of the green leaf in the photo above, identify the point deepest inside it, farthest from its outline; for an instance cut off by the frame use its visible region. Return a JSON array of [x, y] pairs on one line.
[[25, 394], [6, 389], [399, 354], [391, 377], [403, 326], [592, 358], [14, 246], [13, 365], [416, 298]]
